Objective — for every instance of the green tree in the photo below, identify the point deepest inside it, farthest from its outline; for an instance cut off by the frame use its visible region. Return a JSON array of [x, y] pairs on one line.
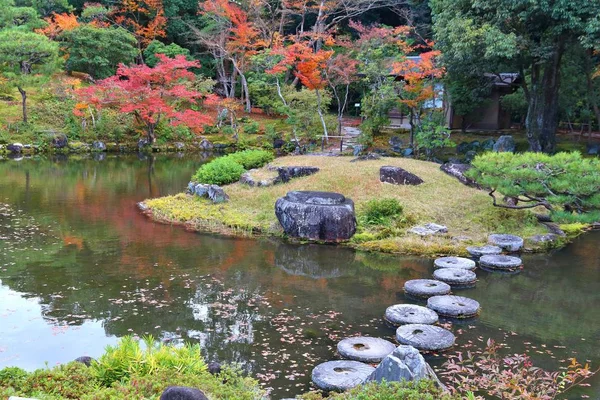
[[47, 7], [527, 36], [25, 59], [25, 18], [158, 47], [565, 184], [98, 51], [467, 93]]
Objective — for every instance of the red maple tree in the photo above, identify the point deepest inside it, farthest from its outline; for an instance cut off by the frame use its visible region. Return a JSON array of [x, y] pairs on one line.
[[151, 95]]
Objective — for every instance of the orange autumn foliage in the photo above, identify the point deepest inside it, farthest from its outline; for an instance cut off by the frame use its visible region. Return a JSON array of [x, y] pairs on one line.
[[309, 65], [146, 19], [58, 23], [418, 76]]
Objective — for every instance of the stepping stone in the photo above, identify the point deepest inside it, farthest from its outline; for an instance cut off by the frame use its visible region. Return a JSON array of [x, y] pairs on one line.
[[454, 306], [456, 277], [365, 349], [500, 262], [478, 251], [509, 243], [425, 288], [454, 262], [403, 314], [340, 375], [425, 337], [428, 229]]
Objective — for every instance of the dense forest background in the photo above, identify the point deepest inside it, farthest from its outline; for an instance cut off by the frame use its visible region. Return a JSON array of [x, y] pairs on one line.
[[308, 61]]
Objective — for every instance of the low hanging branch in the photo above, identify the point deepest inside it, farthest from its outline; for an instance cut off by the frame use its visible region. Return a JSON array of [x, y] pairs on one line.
[[565, 184], [527, 199]]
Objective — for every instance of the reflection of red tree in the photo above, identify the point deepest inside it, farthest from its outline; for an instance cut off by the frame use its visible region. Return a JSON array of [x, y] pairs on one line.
[[69, 240]]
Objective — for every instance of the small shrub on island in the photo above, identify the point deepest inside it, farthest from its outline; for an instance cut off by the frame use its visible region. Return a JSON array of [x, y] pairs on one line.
[[221, 171], [381, 211], [228, 169]]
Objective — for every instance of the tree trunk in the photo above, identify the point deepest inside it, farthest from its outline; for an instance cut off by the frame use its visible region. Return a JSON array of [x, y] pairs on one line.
[[542, 111], [24, 102], [248, 107], [151, 135], [591, 92], [320, 112], [412, 128]]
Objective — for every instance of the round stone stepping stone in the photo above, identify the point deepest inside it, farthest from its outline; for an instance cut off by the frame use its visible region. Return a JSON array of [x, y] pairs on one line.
[[453, 306], [402, 314], [478, 251], [455, 277], [510, 243], [425, 288], [454, 262], [340, 375], [501, 262], [365, 349], [425, 337]]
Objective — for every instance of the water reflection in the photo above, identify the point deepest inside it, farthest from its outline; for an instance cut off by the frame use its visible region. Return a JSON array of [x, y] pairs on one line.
[[79, 267]]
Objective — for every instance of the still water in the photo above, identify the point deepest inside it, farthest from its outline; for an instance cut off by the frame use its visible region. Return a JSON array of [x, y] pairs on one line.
[[80, 267]]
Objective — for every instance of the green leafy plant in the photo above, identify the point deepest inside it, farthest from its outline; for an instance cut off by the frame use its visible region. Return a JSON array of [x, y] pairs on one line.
[[566, 184], [229, 168], [432, 137], [221, 171], [130, 357], [381, 211], [252, 158], [251, 127], [130, 370]]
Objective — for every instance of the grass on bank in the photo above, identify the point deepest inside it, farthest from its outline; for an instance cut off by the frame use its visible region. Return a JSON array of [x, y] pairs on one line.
[[129, 370], [442, 199]]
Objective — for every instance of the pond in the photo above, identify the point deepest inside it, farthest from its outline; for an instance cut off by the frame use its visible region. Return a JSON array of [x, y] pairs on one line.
[[81, 267]]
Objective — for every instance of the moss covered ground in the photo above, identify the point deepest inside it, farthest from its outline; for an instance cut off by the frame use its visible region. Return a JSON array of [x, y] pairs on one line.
[[466, 212]]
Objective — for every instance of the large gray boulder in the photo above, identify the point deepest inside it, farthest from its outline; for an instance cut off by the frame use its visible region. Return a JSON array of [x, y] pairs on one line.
[[398, 176], [340, 375], [404, 364], [505, 143], [321, 216], [458, 171]]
